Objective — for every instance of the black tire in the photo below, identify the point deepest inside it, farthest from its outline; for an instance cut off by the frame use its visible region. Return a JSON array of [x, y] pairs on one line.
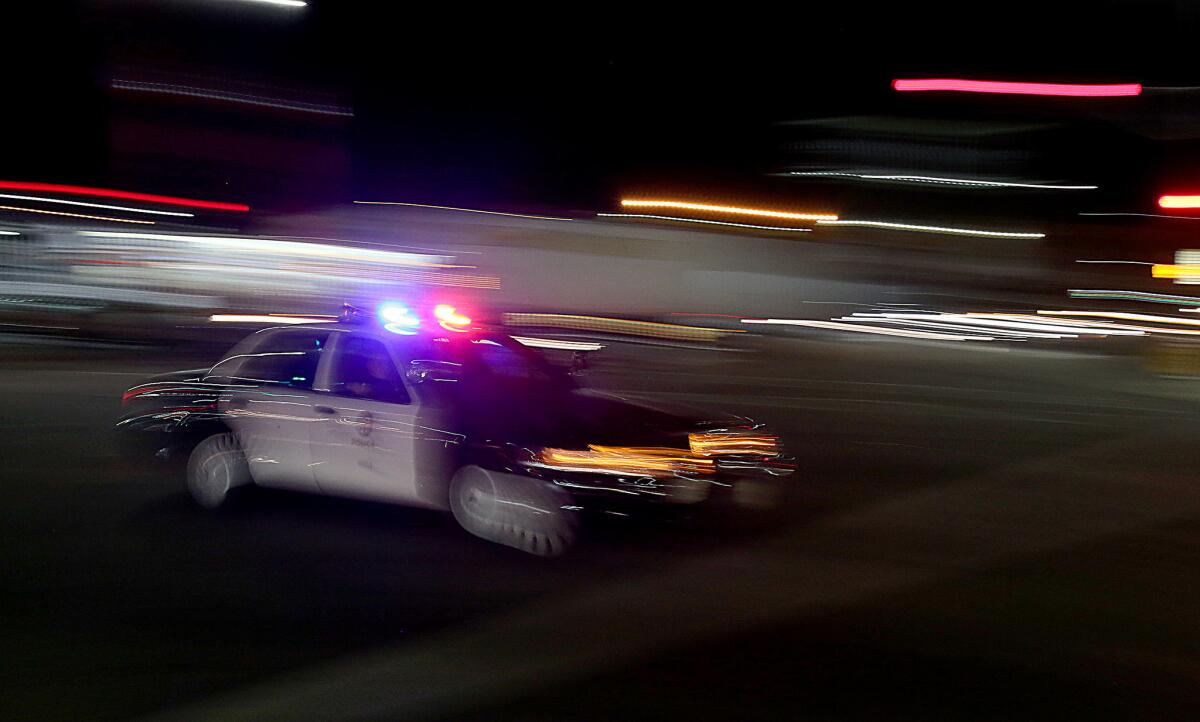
[[216, 467], [517, 511]]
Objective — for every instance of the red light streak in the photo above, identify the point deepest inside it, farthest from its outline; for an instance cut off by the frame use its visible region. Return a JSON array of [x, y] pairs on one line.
[[125, 195], [1078, 90]]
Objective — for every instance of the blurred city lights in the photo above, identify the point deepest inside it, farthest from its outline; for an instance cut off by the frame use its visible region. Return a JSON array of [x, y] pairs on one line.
[[62, 201], [856, 328], [283, 3], [75, 215], [1117, 295], [349, 253], [553, 343], [935, 180], [731, 210], [618, 325], [267, 319], [1171, 201], [1123, 316], [677, 219], [123, 195], [932, 229], [960, 85], [462, 210], [191, 91]]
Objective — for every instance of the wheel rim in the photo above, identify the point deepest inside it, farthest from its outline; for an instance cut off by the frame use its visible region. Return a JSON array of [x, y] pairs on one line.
[[212, 483]]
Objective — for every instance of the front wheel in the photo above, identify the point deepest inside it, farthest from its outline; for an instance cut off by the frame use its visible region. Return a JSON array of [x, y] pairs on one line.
[[216, 467], [517, 511]]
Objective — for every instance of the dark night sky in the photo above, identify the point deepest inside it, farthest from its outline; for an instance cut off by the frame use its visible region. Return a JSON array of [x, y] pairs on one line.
[[559, 108]]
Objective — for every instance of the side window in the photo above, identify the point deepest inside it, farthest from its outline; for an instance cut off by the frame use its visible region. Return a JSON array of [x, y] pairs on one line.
[[507, 364], [363, 369], [285, 358]]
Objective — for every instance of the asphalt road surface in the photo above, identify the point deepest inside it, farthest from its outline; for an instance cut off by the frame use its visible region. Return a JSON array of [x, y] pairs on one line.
[[982, 534]]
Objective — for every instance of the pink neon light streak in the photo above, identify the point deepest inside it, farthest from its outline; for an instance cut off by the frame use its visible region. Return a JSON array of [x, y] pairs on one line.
[[125, 195], [1009, 88]]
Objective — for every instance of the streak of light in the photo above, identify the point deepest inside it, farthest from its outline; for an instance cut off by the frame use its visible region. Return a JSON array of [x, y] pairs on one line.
[[1175, 271], [1132, 296], [959, 85], [252, 318], [257, 245], [731, 210], [940, 325], [1146, 215], [626, 460], [557, 344], [461, 210], [75, 215], [1132, 263], [1170, 201], [953, 323], [946, 181], [618, 325], [9, 233], [933, 229], [701, 220], [1021, 323], [857, 328], [284, 3], [62, 201], [1122, 316], [191, 91], [123, 195]]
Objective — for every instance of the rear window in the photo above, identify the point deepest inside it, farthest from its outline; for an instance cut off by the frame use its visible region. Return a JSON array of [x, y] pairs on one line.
[[284, 358]]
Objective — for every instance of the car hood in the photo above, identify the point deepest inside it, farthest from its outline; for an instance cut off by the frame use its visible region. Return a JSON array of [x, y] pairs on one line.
[[577, 417]]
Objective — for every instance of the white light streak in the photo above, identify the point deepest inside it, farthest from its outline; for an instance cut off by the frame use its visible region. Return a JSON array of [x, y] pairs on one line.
[[1131, 296], [1122, 316], [191, 91], [284, 3], [965, 182], [700, 220], [927, 335], [932, 229], [251, 318], [557, 344], [461, 210], [9, 233], [75, 215], [40, 199], [256, 245]]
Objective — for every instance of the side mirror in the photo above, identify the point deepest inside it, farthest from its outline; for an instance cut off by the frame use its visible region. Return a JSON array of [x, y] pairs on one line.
[[420, 371], [579, 363]]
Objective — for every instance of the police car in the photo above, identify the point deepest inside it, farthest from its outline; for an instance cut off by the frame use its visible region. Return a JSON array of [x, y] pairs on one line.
[[431, 410]]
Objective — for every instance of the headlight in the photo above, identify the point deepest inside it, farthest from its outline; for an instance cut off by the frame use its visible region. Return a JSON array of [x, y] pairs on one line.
[[626, 461], [733, 443]]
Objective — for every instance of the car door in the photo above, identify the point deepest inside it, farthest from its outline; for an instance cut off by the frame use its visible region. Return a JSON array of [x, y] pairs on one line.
[[268, 402], [365, 442]]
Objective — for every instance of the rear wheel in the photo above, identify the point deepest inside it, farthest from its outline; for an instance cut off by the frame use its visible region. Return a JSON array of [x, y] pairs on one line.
[[216, 467], [517, 511]]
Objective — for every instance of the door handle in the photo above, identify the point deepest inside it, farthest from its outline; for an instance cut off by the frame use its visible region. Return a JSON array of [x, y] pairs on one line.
[[327, 410]]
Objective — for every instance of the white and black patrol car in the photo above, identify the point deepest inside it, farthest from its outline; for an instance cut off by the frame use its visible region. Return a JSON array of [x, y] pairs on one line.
[[437, 413]]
